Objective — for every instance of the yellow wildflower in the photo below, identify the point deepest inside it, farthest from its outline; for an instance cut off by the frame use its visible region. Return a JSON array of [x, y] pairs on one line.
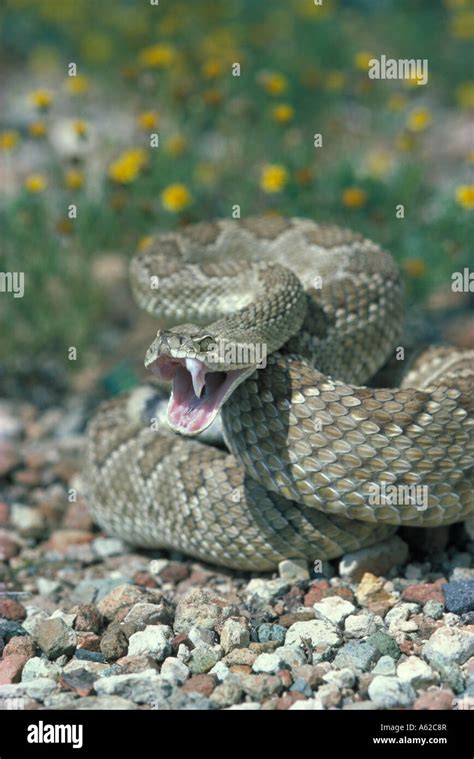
[[80, 127], [148, 119], [273, 178], [212, 97], [175, 145], [74, 179], [405, 142], [414, 267], [205, 173], [362, 60], [283, 113], [470, 156], [157, 56], [37, 129], [353, 197], [462, 25], [64, 226], [8, 139], [128, 165], [274, 83], [96, 47], [396, 102], [465, 95], [175, 197], [334, 80], [465, 196], [379, 163], [419, 119], [42, 99], [35, 183], [456, 4], [77, 85], [144, 242], [212, 68]]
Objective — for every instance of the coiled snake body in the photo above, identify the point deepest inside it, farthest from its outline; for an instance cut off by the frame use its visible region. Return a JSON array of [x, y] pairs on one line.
[[312, 451]]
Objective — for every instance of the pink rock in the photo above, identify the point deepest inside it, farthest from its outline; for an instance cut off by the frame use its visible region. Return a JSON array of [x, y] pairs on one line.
[[88, 640], [288, 699], [11, 668], [8, 457], [20, 644], [60, 540], [425, 591], [77, 517], [8, 546], [174, 572], [438, 699], [4, 513], [316, 592], [10, 608], [203, 684]]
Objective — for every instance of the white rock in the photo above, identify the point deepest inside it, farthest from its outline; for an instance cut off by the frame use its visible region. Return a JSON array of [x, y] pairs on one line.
[[157, 565], [68, 619], [329, 695], [47, 587], [235, 634], [389, 692], [36, 689], [174, 671], [322, 635], [416, 672], [153, 641], [94, 667], [397, 618], [183, 654], [293, 570], [105, 547], [291, 656], [359, 625], [261, 593], [449, 644], [267, 663], [341, 678], [27, 520], [385, 666], [201, 636], [37, 667], [220, 670], [141, 687], [310, 704], [33, 616], [334, 609]]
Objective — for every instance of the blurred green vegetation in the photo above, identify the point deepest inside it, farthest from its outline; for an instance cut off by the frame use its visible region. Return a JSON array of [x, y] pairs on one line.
[[223, 139]]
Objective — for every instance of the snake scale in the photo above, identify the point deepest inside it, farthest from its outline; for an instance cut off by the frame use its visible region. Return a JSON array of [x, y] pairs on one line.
[[307, 443]]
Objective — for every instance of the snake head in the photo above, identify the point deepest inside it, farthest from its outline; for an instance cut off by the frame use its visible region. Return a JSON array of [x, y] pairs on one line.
[[202, 372]]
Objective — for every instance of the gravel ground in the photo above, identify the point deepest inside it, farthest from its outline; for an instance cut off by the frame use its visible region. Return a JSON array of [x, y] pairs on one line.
[[87, 622]]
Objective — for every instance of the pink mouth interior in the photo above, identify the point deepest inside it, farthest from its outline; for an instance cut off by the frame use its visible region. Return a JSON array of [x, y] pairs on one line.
[[189, 413]]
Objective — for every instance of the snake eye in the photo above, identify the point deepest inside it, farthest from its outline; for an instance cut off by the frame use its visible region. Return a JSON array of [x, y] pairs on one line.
[[204, 343]]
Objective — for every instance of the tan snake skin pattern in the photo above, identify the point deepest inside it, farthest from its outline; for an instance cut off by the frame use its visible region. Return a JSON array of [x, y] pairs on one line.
[[307, 446]]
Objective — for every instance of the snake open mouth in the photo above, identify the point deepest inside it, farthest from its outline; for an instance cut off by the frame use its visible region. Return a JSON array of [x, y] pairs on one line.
[[198, 392]]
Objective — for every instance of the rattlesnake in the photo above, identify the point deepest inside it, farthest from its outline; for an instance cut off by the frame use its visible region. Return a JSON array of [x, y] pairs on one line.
[[309, 446]]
